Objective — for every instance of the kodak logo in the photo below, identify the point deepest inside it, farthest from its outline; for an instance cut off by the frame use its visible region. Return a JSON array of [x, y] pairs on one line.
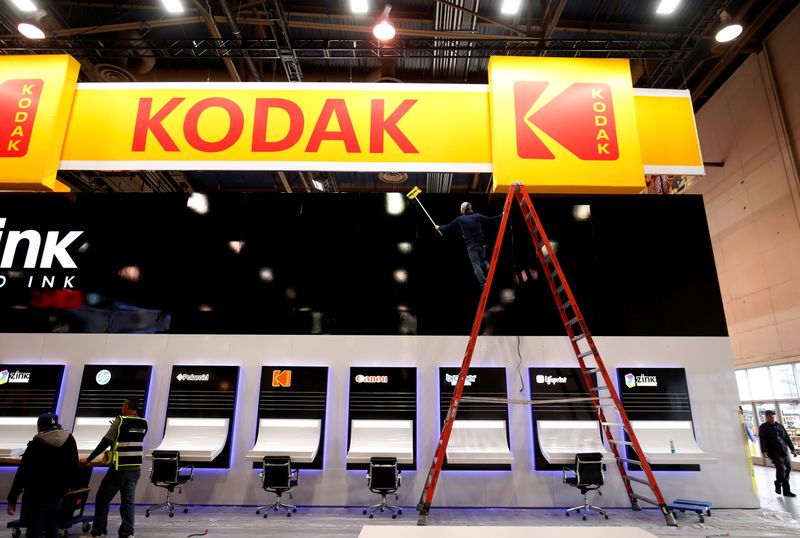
[[581, 119], [281, 378], [19, 100]]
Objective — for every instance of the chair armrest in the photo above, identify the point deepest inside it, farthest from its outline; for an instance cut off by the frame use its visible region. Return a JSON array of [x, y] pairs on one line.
[[294, 477], [188, 477], [564, 471]]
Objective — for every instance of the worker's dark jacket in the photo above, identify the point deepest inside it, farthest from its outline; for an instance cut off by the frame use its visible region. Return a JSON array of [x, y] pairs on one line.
[[774, 439], [48, 468], [470, 224]]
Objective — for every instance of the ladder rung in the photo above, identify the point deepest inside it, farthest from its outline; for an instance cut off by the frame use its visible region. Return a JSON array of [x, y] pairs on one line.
[[636, 479], [577, 337], [606, 405], [586, 354], [573, 321], [645, 499], [618, 442], [612, 423], [560, 288], [591, 370], [565, 305], [629, 461], [597, 389], [552, 275]]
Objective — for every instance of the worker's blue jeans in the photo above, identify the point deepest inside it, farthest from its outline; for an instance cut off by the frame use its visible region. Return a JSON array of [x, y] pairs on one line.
[[477, 256], [115, 481]]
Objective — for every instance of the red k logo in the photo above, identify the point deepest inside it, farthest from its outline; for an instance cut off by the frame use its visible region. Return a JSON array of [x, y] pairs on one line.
[[19, 100], [581, 119], [281, 378]]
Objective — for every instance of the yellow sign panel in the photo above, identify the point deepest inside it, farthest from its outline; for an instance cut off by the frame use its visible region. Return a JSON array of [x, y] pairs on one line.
[[667, 132], [35, 97], [411, 127], [564, 125]]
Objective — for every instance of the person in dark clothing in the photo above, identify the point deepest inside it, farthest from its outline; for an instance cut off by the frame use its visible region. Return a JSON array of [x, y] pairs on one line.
[[470, 224], [777, 445], [48, 468], [125, 438]]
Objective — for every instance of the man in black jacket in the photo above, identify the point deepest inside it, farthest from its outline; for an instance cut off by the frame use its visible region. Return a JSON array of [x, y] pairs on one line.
[[470, 224], [48, 468], [777, 445]]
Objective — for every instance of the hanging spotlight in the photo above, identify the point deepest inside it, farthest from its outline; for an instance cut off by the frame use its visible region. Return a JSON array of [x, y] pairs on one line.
[[510, 7], [667, 7], [729, 30], [25, 5], [31, 30], [359, 6], [384, 29]]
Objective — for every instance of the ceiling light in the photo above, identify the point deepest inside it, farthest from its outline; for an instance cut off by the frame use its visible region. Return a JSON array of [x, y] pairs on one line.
[[400, 276], [319, 185], [25, 5], [359, 6], [404, 247], [667, 7], [198, 203], [729, 29], [31, 31], [384, 29], [236, 246], [510, 7], [266, 274], [582, 212], [173, 6], [131, 273]]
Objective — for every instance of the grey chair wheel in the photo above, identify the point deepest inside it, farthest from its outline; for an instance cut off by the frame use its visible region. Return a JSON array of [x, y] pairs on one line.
[[16, 533], [172, 514], [584, 518], [288, 514], [394, 516], [702, 519], [400, 512], [185, 510], [370, 516], [294, 509], [147, 513], [567, 514], [258, 511], [364, 512], [265, 515], [606, 516]]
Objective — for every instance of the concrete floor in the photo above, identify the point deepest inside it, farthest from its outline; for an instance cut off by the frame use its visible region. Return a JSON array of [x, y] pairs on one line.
[[778, 516]]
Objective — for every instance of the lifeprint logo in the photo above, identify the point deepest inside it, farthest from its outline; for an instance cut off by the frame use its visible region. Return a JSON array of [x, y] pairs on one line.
[[281, 378], [372, 378], [14, 377], [192, 377], [550, 379], [581, 119], [19, 101]]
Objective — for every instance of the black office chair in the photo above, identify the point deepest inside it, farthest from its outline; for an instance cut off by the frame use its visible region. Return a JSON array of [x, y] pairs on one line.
[[383, 478], [588, 476], [278, 477], [167, 473]]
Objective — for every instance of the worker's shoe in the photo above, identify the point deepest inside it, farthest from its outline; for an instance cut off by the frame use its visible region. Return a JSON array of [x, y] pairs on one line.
[[787, 490], [778, 487]]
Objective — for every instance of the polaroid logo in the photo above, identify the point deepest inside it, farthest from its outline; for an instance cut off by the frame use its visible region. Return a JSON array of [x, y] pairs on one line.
[[372, 378], [14, 377], [550, 380], [453, 379], [641, 380], [19, 101], [580, 119], [192, 377]]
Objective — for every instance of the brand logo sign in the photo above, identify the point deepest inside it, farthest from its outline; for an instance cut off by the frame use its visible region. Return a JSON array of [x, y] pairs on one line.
[[453, 379], [14, 377], [580, 119], [281, 378], [641, 380], [103, 377], [372, 378], [192, 377], [550, 380], [19, 101]]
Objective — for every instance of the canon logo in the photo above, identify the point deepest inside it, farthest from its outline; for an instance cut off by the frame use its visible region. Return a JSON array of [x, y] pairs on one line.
[[372, 378]]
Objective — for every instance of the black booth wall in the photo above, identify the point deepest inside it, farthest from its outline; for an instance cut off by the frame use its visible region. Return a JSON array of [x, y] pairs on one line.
[[326, 264]]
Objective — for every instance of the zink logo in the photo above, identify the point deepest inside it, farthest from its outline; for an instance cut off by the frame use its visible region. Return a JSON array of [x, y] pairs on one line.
[[192, 377], [453, 379], [19, 100], [372, 378], [14, 377], [580, 119], [641, 380], [550, 380]]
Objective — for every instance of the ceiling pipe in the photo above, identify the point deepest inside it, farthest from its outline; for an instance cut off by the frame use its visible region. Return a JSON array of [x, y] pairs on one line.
[[212, 26], [237, 33]]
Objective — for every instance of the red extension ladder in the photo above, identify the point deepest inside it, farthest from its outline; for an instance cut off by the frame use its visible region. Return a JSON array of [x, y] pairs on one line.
[[604, 397]]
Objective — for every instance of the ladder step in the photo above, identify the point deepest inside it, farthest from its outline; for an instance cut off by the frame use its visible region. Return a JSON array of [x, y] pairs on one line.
[[629, 461], [573, 321], [645, 499], [612, 424], [597, 389], [560, 289], [586, 354], [565, 305], [636, 479], [577, 337], [552, 275], [618, 442], [606, 405], [591, 370]]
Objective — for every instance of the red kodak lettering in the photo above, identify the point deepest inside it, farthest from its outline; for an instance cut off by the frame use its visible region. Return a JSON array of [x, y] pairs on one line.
[[235, 126], [346, 133], [296, 124], [19, 101], [379, 125], [281, 378], [145, 122]]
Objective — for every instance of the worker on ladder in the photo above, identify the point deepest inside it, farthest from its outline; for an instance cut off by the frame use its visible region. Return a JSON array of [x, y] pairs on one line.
[[474, 240]]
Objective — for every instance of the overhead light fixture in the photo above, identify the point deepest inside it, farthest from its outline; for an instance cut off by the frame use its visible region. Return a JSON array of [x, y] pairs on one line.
[[510, 7], [198, 203], [667, 7], [173, 6], [25, 5], [729, 30], [319, 185], [31, 30], [395, 205], [359, 6], [384, 29]]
